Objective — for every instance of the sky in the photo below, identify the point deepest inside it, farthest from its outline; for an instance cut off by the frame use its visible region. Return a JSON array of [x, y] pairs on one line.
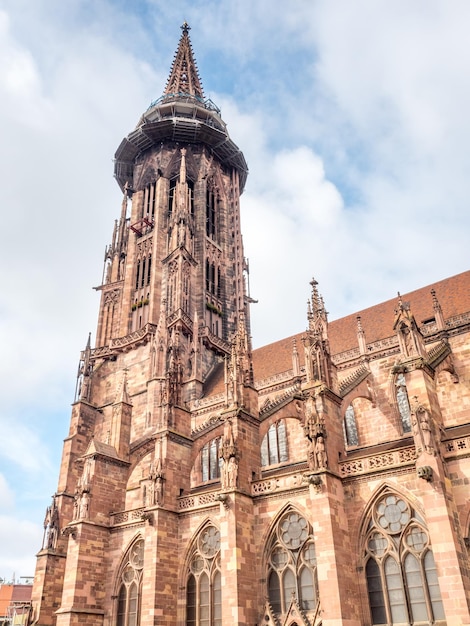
[[353, 118]]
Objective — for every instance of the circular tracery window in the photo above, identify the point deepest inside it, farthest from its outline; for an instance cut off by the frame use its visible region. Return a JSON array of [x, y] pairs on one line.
[[308, 554], [209, 541], [128, 574], [392, 514], [197, 564], [377, 544], [417, 539], [293, 530], [279, 557], [136, 556]]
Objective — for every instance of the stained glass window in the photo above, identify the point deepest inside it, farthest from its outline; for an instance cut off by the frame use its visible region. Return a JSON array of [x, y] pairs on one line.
[[210, 460], [204, 582], [292, 565], [400, 571], [350, 427], [130, 586], [274, 445]]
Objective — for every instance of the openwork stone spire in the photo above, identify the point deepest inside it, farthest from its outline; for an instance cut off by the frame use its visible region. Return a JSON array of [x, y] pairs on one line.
[[184, 77]]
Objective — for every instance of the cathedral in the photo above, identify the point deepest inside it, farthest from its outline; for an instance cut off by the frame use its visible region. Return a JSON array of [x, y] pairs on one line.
[[321, 479]]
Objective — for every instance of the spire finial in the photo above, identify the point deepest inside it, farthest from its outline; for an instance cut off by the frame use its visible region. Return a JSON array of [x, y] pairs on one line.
[[184, 78]]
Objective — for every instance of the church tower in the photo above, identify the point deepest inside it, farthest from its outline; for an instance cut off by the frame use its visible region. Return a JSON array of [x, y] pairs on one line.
[[321, 480], [174, 311]]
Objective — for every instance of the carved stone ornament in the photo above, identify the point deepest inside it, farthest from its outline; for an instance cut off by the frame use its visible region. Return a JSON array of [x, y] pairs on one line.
[[69, 531]]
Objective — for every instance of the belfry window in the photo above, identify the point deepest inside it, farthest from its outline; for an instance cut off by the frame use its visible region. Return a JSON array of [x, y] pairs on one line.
[[292, 565], [204, 582], [403, 403], [148, 206], [210, 460], [400, 570], [143, 271], [210, 277], [171, 195], [191, 195], [274, 445], [350, 427], [211, 214], [130, 587]]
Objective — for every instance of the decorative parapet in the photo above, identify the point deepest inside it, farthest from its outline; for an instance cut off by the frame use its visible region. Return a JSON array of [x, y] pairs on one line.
[[127, 517], [457, 447], [271, 406], [353, 380], [438, 354], [214, 341], [179, 315], [119, 344], [453, 322], [200, 403], [376, 349], [212, 421], [278, 484], [198, 501], [276, 380], [378, 462]]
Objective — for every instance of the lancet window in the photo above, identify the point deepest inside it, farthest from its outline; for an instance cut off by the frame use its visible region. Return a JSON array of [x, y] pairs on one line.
[[292, 564], [401, 574], [129, 592], [186, 287], [210, 461], [143, 271], [350, 427], [150, 196], [171, 195], [274, 445], [210, 277], [211, 214], [403, 403], [204, 582]]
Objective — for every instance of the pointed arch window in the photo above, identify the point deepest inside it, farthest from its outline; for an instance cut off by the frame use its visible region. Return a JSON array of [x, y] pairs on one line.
[[403, 403], [129, 592], [211, 214], [350, 427], [274, 445], [400, 570], [148, 206], [204, 581], [292, 565], [191, 195], [210, 460], [211, 286], [171, 195]]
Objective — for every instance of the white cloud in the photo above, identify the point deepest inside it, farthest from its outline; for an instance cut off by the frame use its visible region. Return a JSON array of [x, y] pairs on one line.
[[20, 541], [7, 497], [354, 121]]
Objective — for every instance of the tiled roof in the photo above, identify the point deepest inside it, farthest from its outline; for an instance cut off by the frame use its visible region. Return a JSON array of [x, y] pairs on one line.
[[6, 592], [377, 321], [452, 293]]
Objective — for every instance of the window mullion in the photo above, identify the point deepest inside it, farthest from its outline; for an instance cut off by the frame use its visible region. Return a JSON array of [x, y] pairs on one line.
[[424, 582], [385, 592]]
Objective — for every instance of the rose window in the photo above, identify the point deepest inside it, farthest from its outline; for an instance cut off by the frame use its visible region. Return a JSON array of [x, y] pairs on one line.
[[392, 514], [209, 542], [293, 531]]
